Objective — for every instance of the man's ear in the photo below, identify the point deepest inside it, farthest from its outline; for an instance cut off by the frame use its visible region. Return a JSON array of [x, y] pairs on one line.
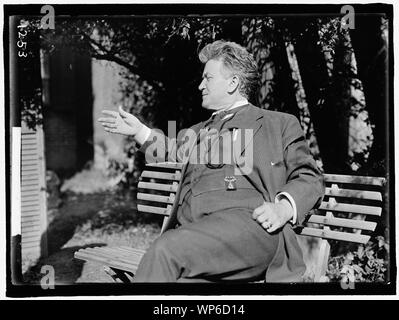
[[234, 84]]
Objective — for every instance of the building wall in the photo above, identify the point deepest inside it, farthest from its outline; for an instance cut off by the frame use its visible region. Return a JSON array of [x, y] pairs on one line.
[[106, 95]]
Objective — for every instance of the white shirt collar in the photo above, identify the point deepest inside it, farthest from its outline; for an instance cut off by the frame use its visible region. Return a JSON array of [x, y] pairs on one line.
[[236, 104]]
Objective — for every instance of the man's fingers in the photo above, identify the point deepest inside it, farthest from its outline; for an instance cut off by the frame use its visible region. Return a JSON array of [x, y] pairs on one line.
[[111, 130], [256, 212], [272, 228], [109, 125], [264, 217], [106, 120], [122, 112], [110, 113], [259, 210], [266, 225]]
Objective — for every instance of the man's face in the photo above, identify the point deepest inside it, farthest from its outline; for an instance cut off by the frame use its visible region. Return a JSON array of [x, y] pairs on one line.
[[215, 86]]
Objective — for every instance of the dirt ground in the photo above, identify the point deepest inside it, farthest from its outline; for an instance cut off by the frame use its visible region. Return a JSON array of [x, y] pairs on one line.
[[86, 220]]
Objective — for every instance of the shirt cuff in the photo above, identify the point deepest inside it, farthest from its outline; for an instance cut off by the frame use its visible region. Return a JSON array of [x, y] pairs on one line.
[[142, 136], [287, 196]]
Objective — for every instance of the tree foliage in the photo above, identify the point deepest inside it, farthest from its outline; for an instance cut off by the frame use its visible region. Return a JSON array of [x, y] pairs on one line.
[[29, 78], [161, 71]]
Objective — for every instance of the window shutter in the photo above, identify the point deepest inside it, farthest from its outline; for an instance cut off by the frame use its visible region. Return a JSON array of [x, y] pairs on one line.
[[33, 194]]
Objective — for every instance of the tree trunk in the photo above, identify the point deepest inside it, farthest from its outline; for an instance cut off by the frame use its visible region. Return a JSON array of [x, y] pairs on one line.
[[304, 114], [260, 43], [370, 43]]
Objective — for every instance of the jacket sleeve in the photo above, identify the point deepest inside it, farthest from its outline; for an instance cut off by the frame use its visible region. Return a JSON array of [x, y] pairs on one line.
[[304, 181]]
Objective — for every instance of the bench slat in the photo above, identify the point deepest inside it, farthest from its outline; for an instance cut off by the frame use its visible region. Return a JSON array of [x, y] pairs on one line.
[[129, 250], [334, 235], [340, 222], [152, 209], [350, 193], [116, 253], [113, 253], [124, 263], [155, 197], [83, 255], [167, 165], [161, 175], [352, 208], [158, 186], [340, 178]]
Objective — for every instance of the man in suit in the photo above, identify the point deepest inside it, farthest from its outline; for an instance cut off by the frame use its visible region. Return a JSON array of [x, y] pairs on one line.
[[229, 223]]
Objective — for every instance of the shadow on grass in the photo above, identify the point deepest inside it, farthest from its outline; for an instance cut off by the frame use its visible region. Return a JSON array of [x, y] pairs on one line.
[[76, 210], [67, 270]]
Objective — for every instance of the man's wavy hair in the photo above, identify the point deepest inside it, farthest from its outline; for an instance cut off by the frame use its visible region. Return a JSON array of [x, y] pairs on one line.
[[237, 60]]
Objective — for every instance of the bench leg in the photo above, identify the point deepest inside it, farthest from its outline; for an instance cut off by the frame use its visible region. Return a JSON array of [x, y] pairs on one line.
[[324, 255], [119, 275], [322, 261]]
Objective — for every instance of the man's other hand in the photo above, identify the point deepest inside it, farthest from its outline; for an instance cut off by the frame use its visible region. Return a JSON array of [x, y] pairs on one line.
[[273, 216], [120, 122]]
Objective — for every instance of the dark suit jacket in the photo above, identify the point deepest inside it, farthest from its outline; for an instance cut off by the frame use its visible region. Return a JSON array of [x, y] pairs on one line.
[[282, 163]]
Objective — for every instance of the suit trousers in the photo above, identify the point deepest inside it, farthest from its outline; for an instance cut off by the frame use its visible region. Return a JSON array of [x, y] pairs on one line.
[[226, 245]]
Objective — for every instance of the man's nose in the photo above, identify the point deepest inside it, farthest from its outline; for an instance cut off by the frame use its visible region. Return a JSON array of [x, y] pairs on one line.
[[201, 85]]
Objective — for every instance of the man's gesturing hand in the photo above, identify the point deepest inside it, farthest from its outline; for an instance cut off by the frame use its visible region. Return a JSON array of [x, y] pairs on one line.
[[273, 216], [120, 122]]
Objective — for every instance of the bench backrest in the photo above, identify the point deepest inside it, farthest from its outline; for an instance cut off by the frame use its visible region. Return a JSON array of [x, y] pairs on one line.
[[348, 202], [157, 188]]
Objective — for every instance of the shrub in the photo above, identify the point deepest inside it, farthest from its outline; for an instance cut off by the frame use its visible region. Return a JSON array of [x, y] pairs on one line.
[[366, 264]]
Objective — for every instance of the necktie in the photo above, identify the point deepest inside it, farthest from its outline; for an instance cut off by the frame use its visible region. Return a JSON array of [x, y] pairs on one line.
[[217, 117], [214, 125]]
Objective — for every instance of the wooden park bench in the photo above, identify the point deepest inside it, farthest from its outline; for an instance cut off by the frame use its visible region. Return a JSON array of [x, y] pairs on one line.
[[348, 202]]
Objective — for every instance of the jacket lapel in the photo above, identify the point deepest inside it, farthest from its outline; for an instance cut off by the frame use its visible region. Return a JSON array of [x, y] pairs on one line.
[[248, 119], [173, 212]]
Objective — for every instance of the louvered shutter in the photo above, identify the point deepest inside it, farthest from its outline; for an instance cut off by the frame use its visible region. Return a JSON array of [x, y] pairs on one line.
[[33, 194]]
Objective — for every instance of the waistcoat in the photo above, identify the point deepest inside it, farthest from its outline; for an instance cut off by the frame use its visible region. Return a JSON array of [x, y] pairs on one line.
[[204, 190]]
